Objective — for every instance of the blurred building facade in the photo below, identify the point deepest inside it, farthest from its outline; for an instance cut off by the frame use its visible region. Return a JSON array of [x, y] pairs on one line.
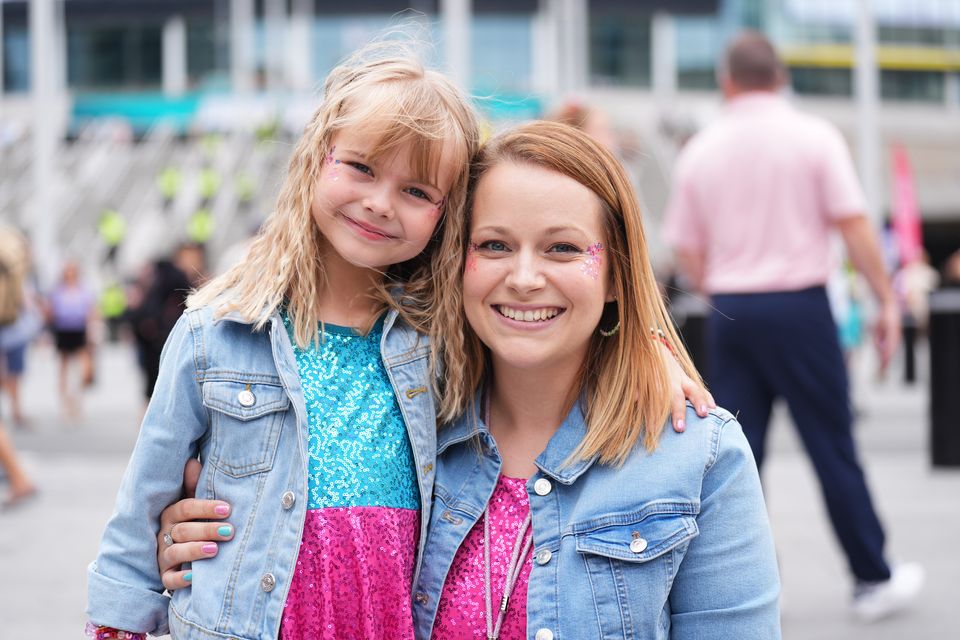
[[203, 65]]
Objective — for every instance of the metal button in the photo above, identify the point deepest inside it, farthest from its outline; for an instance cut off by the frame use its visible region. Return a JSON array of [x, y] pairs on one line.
[[542, 487], [544, 634], [246, 398], [268, 582], [543, 557], [421, 597], [638, 545], [287, 499]]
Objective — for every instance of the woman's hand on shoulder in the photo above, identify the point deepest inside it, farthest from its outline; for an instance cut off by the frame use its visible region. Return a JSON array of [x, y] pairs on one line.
[[683, 388], [185, 535]]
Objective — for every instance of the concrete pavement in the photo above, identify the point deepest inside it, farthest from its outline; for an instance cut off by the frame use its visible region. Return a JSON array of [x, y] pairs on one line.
[[46, 544]]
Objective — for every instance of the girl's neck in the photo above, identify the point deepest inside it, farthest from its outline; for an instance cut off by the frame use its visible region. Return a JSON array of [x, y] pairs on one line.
[[347, 296], [526, 408]]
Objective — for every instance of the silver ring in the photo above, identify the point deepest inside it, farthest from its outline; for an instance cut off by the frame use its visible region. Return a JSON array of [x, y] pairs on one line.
[[168, 539]]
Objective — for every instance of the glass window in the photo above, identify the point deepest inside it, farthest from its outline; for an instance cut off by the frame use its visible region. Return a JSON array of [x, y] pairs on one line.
[[114, 56], [16, 59], [921, 86], [823, 81], [620, 50]]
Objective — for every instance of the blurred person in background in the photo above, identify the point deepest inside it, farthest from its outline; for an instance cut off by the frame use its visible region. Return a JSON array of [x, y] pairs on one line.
[[165, 288], [71, 312], [755, 198], [13, 268], [16, 337], [591, 120], [951, 270]]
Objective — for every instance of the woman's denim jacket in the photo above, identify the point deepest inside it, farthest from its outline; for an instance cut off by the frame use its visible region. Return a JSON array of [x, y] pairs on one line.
[[253, 449], [673, 544]]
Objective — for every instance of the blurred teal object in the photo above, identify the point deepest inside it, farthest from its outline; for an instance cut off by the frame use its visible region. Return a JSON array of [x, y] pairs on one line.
[[510, 107], [141, 110]]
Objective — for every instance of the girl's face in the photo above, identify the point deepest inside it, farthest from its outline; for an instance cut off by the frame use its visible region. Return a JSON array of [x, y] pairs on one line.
[[536, 275], [376, 213]]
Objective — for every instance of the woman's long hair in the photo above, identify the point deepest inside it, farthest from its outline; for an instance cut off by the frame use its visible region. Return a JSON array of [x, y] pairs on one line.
[[624, 378]]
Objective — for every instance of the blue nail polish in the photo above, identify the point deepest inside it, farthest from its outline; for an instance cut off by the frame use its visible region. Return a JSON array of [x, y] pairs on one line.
[[225, 530], [187, 577]]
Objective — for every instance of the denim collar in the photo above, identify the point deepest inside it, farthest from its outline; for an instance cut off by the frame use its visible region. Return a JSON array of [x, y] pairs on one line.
[[552, 461]]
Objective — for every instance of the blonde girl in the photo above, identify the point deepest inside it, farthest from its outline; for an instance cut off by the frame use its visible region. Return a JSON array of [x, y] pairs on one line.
[[300, 379]]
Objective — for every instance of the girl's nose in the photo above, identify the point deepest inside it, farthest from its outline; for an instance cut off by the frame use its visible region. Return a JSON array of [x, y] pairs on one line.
[[379, 201]]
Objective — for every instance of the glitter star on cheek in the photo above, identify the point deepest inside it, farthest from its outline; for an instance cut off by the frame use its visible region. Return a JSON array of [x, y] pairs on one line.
[[591, 266]]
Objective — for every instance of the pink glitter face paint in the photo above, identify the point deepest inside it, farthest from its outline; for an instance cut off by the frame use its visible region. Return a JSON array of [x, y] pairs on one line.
[[471, 257], [334, 173], [591, 266]]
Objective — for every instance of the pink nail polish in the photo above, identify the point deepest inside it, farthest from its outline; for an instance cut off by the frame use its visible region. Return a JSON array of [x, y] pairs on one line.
[[209, 548], [222, 509], [681, 425]]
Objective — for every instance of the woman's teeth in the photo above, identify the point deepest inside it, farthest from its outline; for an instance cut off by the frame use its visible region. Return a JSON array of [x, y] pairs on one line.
[[535, 315]]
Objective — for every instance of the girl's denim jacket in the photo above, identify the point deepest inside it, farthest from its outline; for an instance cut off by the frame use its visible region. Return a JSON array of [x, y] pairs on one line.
[[253, 450], [673, 544]]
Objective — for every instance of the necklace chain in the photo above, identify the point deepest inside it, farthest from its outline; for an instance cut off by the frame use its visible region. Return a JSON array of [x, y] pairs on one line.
[[513, 569]]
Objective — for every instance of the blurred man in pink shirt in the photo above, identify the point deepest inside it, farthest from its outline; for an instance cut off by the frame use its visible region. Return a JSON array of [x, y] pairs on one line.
[[755, 198]]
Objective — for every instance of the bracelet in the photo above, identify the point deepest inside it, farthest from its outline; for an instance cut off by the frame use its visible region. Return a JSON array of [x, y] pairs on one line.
[[661, 337], [109, 633]]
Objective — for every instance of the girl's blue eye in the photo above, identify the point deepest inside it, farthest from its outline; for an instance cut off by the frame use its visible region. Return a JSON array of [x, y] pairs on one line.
[[362, 168], [418, 193]]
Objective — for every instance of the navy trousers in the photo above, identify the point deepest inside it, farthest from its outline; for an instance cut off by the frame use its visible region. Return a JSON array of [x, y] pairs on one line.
[[767, 345]]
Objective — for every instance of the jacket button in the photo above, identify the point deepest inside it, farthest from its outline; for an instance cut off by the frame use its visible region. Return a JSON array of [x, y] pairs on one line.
[[542, 488], [638, 545], [544, 634], [287, 499], [421, 598], [246, 398], [268, 582], [543, 557]]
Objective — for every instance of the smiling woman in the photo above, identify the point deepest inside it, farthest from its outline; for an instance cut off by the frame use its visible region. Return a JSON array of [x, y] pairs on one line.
[[559, 493]]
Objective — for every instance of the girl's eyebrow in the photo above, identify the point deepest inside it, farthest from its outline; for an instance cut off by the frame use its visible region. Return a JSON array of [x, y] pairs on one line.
[[359, 154]]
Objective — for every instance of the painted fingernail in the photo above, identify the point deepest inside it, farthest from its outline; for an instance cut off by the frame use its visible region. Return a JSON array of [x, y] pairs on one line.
[[222, 509], [681, 425], [187, 577], [209, 548], [703, 408], [225, 530]]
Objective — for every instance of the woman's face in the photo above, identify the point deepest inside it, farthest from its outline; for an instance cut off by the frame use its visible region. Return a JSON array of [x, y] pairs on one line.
[[536, 275]]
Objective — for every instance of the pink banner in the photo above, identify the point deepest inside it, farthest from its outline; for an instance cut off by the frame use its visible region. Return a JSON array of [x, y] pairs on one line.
[[906, 216]]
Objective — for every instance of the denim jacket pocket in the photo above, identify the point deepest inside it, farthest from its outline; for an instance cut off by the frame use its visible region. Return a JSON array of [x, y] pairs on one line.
[[246, 420], [631, 564]]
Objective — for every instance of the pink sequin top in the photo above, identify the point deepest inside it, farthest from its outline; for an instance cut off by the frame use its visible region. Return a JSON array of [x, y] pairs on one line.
[[462, 610]]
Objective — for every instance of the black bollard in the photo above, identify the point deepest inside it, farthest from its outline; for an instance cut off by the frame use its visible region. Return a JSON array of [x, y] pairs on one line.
[[944, 377]]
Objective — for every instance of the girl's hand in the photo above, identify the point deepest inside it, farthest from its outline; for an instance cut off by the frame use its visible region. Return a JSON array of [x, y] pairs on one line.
[[683, 388], [191, 540]]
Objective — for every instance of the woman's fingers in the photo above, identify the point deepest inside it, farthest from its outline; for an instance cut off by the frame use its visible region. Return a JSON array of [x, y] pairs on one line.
[[173, 580], [192, 509]]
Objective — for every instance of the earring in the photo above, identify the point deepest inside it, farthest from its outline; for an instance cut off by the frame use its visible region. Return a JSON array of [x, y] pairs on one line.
[[610, 313], [607, 334]]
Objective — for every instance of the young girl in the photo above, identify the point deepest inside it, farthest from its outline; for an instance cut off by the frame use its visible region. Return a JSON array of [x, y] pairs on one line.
[[321, 436], [563, 506]]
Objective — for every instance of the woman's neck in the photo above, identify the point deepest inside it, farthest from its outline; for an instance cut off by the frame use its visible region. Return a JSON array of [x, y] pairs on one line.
[[346, 297], [526, 408]]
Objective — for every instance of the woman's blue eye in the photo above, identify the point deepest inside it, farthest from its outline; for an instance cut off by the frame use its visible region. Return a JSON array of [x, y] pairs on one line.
[[493, 245], [565, 248], [362, 168]]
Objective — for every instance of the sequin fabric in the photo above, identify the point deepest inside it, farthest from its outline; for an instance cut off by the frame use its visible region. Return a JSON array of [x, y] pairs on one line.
[[355, 565], [461, 612]]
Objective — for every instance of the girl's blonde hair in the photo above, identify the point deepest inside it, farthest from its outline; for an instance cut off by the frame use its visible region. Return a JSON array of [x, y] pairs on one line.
[[625, 382], [401, 105]]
